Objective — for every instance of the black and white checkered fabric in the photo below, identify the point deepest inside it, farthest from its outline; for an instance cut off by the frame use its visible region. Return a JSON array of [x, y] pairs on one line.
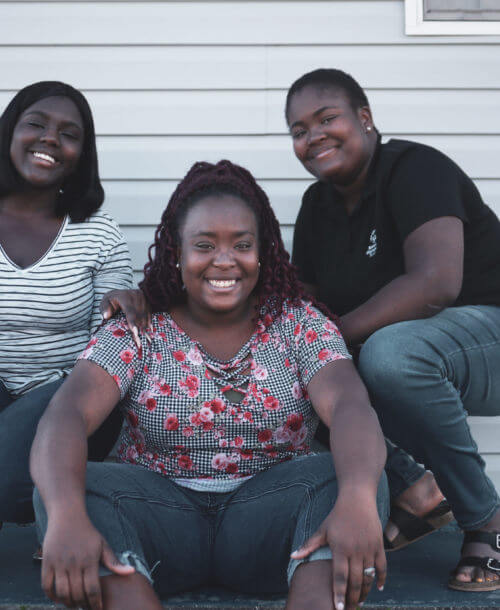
[[181, 413]]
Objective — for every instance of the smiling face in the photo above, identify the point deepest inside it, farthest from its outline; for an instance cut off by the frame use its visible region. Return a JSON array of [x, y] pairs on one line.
[[219, 254], [47, 142], [332, 140]]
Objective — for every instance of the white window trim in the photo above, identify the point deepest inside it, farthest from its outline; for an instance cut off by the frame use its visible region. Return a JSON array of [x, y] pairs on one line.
[[416, 26]]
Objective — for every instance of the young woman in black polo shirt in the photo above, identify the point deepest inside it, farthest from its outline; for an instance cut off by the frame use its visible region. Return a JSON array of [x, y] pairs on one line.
[[396, 239]]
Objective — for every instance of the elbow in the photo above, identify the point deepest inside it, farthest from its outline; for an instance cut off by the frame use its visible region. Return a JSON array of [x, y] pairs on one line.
[[440, 291]]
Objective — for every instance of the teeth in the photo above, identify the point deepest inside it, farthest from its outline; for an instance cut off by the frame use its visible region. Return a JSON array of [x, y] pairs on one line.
[[45, 157], [222, 283]]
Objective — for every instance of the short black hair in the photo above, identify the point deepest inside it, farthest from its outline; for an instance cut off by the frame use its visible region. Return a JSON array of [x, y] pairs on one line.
[[324, 78], [83, 193]]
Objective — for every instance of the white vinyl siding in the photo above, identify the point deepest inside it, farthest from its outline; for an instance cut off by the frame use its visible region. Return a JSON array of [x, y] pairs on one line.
[[171, 83]]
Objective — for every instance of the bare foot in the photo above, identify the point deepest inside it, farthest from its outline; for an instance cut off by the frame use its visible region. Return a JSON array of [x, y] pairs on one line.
[[419, 499], [478, 549]]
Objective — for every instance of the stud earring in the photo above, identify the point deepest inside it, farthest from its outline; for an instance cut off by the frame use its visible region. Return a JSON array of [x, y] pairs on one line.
[[368, 128], [259, 264], [177, 266]]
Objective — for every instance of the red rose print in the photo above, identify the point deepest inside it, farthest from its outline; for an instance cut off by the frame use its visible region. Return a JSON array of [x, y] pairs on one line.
[[324, 354], [248, 416], [185, 462], [219, 461], [271, 403], [297, 330], [165, 389], [232, 468], [127, 356], [238, 441], [150, 404], [216, 405], [294, 422], [246, 454], [187, 431], [264, 435], [132, 418], [195, 419], [160, 318], [118, 332], [311, 335], [264, 338], [117, 381], [190, 386], [171, 422], [179, 355]]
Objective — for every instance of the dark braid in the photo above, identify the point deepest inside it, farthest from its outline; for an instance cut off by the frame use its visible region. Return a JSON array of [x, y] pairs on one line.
[[278, 281]]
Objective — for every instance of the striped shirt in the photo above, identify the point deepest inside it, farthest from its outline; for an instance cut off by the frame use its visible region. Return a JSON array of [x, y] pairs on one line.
[[49, 310]]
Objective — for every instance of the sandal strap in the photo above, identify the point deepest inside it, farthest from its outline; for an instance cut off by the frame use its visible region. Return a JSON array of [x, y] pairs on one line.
[[491, 538], [486, 563], [409, 525]]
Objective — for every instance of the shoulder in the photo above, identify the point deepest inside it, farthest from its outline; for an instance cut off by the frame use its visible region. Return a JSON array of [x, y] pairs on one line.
[[403, 158], [100, 223], [302, 312], [314, 194]]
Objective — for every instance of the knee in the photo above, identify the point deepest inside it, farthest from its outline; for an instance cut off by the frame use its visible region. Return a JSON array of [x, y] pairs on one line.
[[397, 356]]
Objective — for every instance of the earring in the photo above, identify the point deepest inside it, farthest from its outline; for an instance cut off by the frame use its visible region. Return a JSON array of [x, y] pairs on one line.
[[259, 264], [178, 266], [368, 128]]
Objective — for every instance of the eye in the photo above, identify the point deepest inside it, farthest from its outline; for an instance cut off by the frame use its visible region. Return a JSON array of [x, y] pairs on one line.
[[203, 245], [35, 124], [328, 119], [243, 245], [71, 136], [298, 134]]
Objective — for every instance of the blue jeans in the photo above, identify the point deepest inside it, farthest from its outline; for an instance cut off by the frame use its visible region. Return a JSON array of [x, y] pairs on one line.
[[241, 540], [424, 378], [19, 419]]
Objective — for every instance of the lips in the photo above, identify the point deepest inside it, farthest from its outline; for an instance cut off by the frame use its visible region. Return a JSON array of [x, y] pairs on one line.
[[222, 283], [44, 157], [323, 152]]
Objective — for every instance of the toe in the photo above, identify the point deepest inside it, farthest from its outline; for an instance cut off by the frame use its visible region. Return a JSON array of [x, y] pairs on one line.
[[478, 575], [464, 574]]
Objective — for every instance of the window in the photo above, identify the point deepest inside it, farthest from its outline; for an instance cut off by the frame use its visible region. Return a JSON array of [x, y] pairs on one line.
[[452, 17]]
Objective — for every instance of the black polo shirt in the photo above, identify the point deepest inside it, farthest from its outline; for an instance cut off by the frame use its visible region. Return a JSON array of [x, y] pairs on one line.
[[349, 258]]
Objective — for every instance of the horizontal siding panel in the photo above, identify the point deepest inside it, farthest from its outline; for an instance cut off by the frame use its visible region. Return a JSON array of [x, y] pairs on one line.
[[267, 157], [486, 433], [136, 68], [146, 23], [276, 67], [261, 112], [125, 198]]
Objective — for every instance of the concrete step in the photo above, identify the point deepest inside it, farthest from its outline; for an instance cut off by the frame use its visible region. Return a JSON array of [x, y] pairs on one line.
[[416, 579]]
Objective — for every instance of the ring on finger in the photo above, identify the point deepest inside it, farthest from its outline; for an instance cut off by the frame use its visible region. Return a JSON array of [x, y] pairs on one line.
[[370, 572]]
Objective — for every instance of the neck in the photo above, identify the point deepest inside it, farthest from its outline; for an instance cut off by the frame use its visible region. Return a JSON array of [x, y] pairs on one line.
[[351, 191], [41, 204], [219, 320]]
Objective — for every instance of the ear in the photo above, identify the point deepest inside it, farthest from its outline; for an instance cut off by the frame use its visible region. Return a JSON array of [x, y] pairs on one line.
[[365, 118]]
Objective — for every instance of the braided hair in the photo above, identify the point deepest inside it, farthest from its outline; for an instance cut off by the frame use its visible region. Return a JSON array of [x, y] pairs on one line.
[[278, 281]]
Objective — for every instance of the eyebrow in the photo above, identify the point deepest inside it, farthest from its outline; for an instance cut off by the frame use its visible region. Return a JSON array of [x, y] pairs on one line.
[[315, 114], [45, 116]]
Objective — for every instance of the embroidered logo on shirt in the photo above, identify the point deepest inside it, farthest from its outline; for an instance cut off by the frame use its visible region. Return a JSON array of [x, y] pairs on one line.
[[372, 246]]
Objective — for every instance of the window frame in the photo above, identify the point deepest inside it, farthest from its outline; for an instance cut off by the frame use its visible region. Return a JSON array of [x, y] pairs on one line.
[[415, 25]]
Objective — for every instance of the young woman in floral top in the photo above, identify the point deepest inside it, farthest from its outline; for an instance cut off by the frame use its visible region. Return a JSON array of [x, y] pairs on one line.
[[217, 484]]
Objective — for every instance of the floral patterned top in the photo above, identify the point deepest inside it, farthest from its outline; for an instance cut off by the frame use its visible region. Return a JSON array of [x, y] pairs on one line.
[[189, 415]]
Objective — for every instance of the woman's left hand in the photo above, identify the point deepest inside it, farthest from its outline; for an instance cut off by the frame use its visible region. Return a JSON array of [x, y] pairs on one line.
[[135, 307], [354, 533]]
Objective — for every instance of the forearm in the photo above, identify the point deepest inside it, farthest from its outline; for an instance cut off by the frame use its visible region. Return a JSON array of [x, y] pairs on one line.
[[58, 461], [407, 297], [358, 448]]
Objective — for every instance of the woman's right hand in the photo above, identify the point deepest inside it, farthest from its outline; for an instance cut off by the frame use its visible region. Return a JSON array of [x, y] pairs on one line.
[[72, 552]]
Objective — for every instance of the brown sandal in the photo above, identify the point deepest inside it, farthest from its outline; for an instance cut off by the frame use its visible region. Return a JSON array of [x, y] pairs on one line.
[[412, 528], [488, 564]]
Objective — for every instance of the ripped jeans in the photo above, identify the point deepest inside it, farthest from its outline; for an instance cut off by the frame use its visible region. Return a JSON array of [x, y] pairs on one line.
[[241, 540]]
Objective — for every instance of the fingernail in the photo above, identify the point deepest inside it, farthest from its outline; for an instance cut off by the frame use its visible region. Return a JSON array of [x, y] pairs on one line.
[[295, 553], [105, 315], [381, 588], [340, 606]]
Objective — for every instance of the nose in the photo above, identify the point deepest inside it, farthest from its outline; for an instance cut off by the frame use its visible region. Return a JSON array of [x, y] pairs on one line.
[[223, 258], [315, 134], [50, 136]]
